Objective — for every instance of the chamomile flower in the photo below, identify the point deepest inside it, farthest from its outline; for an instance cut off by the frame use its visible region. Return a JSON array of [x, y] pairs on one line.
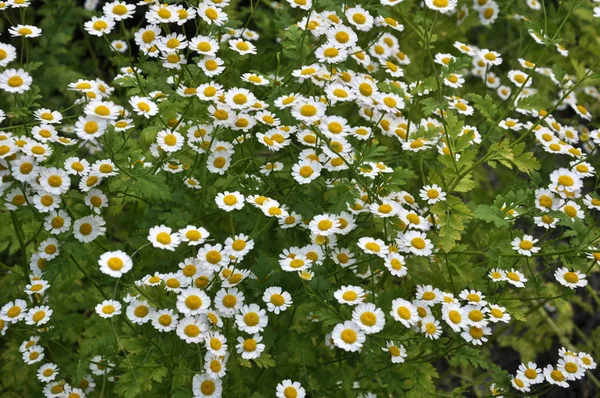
[[162, 237], [288, 388], [38, 315], [454, 316], [415, 242], [369, 318], [211, 14], [49, 249], [242, 46], [395, 263], [193, 301], [489, 57], [428, 294], [15, 81], [516, 278], [373, 246], [520, 383], [498, 314], [531, 373], [306, 171], [324, 225], [526, 245], [431, 327], [38, 286], [348, 336], [115, 263], [229, 201], [432, 194], [404, 312], [251, 319], [27, 31], [118, 10], [143, 106], [164, 320], [251, 347], [47, 372], [8, 54], [211, 66], [360, 18], [139, 312], [191, 330], [213, 256], [454, 80], [13, 311], [99, 26], [555, 376], [33, 355], [193, 235], [473, 297], [351, 295], [108, 308], [276, 299], [308, 110], [570, 279], [57, 222]]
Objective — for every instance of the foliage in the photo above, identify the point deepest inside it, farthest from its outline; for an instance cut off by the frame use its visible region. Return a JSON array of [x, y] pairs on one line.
[[436, 157]]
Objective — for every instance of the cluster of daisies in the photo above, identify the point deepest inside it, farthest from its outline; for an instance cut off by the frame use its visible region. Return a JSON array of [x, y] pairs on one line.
[[469, 315], [304, 137], [571, 366], [197, 314]]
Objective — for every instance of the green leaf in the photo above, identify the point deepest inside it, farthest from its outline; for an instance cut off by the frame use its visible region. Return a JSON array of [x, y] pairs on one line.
[[485, 106], [341, 195], [491, 214], [265, 361], [524, 161], [292, 42], [534, 102], [451, 214], [152, 188], [466, 356]]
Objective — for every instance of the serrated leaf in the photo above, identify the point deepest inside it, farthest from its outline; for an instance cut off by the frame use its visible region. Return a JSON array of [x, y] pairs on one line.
[[491, 214], [485, 105]]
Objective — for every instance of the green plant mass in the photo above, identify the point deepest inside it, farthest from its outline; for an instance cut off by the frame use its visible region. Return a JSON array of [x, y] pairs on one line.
[[299, 198]]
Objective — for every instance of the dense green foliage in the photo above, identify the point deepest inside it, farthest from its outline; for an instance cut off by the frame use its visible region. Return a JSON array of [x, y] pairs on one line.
[[445, 164]]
